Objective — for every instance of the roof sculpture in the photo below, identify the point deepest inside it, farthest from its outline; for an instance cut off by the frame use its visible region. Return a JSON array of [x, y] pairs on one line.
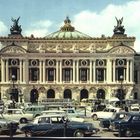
[[119, 29], [15, 29]]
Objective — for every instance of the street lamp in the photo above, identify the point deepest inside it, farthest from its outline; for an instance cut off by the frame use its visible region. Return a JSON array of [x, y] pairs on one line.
[[13, 79], [13, 91], [20, 95], [121, 92]]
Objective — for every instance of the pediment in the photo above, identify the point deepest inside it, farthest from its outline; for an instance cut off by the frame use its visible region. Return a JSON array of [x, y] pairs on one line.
[[13, 49], [122, 50]]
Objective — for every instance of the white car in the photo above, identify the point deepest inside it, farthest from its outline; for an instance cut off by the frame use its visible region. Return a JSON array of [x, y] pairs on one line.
[[135, 107], [62, 112], [106, 113], [18, 115]]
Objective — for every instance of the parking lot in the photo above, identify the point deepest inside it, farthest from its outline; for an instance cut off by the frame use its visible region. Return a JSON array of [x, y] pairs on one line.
[[102, 133]]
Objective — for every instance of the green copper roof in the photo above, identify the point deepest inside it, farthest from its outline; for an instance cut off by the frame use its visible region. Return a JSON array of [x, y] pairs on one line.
[[67, 32]]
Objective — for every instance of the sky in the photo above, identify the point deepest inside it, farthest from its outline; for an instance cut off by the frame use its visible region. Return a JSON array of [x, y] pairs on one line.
[[92, 17]]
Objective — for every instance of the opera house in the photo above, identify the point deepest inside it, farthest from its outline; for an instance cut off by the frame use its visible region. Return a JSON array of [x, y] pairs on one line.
[[68, 64]]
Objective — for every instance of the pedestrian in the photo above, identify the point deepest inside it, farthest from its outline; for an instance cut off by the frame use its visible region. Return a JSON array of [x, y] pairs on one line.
[[126, 108]]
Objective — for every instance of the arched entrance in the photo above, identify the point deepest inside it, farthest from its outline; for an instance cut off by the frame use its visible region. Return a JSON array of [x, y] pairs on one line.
[[100, 94], [50, 93], [34, 95], [135, 95], [14, 94], [67, 94], [120, 94], [83, 94]]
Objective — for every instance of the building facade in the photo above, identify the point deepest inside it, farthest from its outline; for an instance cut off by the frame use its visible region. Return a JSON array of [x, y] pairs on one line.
[[68, 64]]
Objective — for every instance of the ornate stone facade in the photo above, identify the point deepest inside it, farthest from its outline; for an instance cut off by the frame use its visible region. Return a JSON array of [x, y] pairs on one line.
[[69, 64]]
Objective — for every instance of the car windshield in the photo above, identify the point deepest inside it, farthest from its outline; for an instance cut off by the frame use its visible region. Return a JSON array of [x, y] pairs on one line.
[[114, 116]]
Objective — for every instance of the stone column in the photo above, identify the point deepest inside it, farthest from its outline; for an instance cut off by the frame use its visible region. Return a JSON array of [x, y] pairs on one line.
[[7, 71], [21, 71], [2, 70], [25, 71], [109, 71], [57, 71], [94, 71], [127, 71], [90, 75], [73, 71], [60, 71], [131, 70], [77, 71], [40, 71], [44, 73], [114, 70]]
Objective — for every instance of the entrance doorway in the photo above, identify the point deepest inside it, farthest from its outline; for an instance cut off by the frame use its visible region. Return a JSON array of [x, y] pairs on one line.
[[50, 93], [100, 94], [67, 94], [83, 94]]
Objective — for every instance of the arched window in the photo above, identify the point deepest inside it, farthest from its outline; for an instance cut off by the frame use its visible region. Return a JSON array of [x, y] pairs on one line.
[[50, 93], [100, 94], [67, 94], [83, 94]]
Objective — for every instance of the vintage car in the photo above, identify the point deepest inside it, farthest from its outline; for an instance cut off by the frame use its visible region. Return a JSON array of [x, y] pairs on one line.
[[105, 123], [135, 107], [70, 117], [53, 125], [6, 124], [128, 126], [106, 113], [18, 115], [34, 109]]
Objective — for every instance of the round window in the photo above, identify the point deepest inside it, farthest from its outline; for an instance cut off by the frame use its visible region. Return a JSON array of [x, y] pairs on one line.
[[50, 62], [34, 62], [101, 62], [67, 62], [121, 62], [14, 62], [84, 62]]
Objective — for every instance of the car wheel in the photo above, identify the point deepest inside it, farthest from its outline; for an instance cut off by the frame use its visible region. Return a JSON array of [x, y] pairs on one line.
[[23, 120], [94, 117], [78, 133], [28, 134], [37, 115], [128, 133]]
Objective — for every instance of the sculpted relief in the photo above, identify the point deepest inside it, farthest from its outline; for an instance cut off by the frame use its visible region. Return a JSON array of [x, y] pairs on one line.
[[76, 47], [13, 49], [122, 50]]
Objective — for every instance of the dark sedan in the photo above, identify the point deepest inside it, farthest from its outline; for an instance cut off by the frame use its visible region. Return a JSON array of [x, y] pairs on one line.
[[7, 126], [105, 123], [58, 126], [128, 126]]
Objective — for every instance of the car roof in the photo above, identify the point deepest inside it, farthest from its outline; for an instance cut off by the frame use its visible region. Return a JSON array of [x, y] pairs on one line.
[[51, 115], [35, 106], [49, 111], [14, 109]]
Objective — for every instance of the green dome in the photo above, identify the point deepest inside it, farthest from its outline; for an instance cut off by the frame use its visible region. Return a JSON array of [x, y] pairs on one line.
[[67, 32]]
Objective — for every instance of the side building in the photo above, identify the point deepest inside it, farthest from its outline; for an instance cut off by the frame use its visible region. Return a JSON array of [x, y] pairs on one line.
[[68, 64]]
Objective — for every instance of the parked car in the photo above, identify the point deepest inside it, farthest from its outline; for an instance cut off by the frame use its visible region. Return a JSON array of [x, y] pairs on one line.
[[135, 107], [71, 112], [58, 125], [106, 113], [63, 112], [105, 123], [128, 126], [18, 115], [34, 109], [5, 126]]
